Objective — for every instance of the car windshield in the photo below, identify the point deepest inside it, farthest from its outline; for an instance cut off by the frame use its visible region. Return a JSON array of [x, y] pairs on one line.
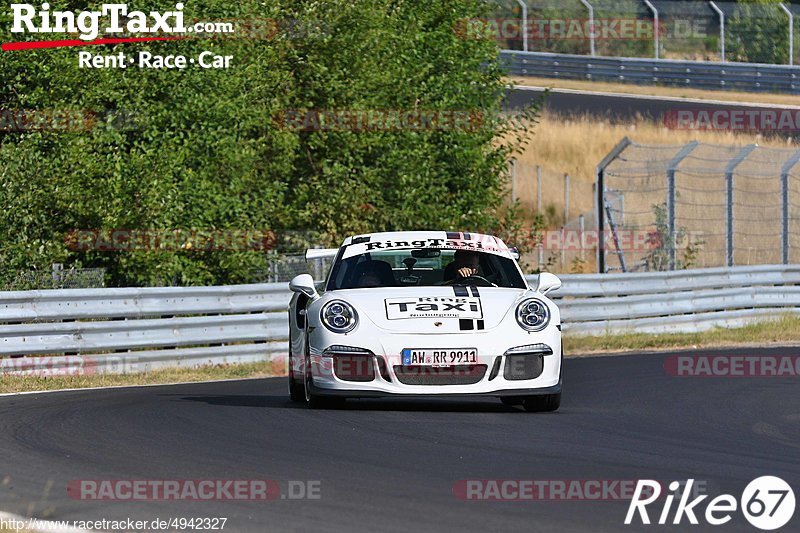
[[425, 267]]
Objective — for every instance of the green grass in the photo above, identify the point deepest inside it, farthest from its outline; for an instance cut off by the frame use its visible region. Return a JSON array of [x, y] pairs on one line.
[[781, 330], [10, 383]]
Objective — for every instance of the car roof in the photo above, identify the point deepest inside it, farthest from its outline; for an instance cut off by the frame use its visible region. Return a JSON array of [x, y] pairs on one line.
[[478, 242]]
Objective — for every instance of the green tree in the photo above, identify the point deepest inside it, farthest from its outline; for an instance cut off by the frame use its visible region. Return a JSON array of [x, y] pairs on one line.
[[199, 149], [758, 32]]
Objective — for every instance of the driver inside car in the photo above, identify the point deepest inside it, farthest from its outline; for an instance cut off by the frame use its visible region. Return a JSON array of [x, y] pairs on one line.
[[465, 264]]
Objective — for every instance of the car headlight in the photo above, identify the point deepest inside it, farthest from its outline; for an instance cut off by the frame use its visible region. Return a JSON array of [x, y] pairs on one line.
[[339, 316], [533, 315]]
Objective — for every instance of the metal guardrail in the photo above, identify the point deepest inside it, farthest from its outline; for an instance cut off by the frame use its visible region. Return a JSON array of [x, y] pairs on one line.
[[676, 301], [753, 77], [135, 330]]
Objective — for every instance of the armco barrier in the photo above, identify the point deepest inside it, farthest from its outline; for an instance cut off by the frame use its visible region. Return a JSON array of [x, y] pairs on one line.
[[679, 300], [134, 330], [753, 77]]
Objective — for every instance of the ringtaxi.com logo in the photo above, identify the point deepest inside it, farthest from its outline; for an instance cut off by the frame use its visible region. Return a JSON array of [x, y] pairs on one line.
[[767, 503], [89, 24]]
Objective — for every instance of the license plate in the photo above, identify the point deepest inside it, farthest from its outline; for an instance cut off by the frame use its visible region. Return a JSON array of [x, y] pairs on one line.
[[439, 356]]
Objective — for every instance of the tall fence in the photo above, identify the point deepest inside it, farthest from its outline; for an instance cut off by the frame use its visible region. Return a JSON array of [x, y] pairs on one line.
[[697, 205], [701, 30], [563, 202], [57, 277]]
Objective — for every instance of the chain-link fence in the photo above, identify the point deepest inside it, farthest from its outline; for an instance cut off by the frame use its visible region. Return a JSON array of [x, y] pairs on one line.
[[697, 30], [698, 205], [282, 268], [57, 278], [285, 267]]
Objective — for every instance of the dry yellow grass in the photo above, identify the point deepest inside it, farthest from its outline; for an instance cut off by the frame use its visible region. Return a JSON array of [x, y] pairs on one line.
[[730, 96], [576, 145]]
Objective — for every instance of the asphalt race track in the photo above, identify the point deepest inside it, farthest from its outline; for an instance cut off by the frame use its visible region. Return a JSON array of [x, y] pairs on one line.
[[617, 107], [387, 465]]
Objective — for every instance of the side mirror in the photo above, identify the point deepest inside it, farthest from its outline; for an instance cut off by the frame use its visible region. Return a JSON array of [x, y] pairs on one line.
[[548, 282], [304, 284]]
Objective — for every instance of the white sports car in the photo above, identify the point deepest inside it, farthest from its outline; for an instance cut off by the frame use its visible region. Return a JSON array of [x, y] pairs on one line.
[[424, 313]]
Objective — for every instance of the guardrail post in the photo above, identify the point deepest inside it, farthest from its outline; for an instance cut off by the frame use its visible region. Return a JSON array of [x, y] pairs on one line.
[[673, 165], [729, 170], [58, 274], [600, 201], [591, 26], [655, 26], [721, 29], [791, 32], [785, 169], [524, 7]]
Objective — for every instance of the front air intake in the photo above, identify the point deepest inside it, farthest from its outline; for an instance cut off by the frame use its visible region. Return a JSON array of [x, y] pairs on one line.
[[354, 367], [523, 366], [449, 375], [351, 363]]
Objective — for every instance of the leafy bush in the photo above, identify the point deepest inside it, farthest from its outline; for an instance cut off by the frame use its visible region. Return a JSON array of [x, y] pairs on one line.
[[758, 32], [201, 149]]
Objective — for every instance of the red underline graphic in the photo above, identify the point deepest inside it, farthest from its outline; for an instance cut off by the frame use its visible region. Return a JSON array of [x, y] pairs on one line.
[[31, 45]]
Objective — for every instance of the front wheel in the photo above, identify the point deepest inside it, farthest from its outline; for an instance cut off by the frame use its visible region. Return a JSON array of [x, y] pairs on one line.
[[296, 392], [544, 403], [312, 400]]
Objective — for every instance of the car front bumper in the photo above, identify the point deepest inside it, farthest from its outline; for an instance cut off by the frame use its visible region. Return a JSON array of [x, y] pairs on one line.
[[493, 374]]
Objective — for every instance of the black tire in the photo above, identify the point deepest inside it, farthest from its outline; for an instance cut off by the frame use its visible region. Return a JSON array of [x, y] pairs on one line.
[[325, 402], [544, 403], [296, 392], [315, 401]]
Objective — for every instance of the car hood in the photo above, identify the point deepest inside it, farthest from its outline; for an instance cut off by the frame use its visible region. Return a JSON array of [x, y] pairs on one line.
[[443, 309]]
